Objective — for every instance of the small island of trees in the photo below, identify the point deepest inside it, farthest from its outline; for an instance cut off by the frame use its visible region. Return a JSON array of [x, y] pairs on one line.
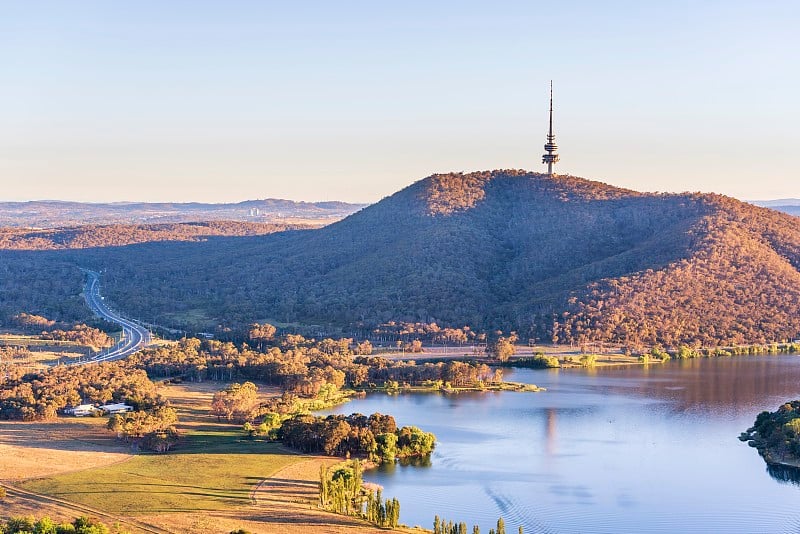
[[776, 435]]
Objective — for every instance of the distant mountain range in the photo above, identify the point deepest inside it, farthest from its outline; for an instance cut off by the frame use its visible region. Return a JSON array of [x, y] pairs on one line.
[[786, 205], [54, 213]]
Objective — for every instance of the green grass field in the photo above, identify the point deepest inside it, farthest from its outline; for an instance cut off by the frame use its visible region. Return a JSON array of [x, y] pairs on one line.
[[214, 467], [212, 472]]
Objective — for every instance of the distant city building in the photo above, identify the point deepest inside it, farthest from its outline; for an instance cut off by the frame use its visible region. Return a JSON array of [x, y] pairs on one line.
[[551, 154], [255, 212]]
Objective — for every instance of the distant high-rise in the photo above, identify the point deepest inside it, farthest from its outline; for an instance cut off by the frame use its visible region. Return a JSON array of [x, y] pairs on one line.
[[550, 147]]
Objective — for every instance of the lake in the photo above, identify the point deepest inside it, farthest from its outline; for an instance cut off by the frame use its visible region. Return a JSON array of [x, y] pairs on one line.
[[625, 449]]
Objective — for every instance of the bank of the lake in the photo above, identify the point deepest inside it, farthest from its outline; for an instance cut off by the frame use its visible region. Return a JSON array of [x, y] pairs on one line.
[[616, 449], [449, 389]]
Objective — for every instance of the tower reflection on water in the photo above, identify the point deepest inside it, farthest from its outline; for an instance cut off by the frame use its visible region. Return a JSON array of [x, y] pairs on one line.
[[550, 431]]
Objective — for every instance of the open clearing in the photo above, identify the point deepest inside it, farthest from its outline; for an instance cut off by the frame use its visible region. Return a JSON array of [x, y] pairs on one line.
[[217, 480], [213, 468], [283, 503], [44, 449], [33, 352], [178, 482]]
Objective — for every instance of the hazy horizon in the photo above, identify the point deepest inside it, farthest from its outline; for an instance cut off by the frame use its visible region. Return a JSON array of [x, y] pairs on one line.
[[185, 201], [208, 102], [772, 201]]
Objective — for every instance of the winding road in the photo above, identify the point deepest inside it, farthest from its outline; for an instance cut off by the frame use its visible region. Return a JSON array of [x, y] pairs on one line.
[[134, 336]]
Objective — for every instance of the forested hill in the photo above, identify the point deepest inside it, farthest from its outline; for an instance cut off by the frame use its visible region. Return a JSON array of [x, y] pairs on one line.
[[563, 259], [54, 214], [113, 235]]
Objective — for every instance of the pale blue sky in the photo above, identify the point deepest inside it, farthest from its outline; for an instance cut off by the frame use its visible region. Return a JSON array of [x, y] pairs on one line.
[[229, 100]]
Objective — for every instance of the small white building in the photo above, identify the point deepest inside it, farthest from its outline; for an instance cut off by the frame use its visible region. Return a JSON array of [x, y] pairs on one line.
[[119, 407], [83, 410]]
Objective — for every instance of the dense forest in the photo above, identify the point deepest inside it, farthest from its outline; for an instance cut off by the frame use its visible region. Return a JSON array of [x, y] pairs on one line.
[[39, 396], [40, 284], [114, 235], [48, 329], [42, 395], [376, 437], [301, 366], [558, 259]]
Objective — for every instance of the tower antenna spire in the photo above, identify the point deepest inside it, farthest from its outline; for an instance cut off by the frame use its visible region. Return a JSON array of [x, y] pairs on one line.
[[551, 149], [551, 109]]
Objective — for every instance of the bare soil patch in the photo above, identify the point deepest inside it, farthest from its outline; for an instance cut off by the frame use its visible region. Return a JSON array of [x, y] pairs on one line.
[[32, 450]]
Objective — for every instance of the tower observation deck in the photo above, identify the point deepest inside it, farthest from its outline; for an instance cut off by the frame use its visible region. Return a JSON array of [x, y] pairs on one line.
[[551, 149]]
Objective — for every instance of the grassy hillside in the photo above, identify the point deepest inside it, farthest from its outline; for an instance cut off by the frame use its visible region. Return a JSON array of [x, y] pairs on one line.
[[555, 258]]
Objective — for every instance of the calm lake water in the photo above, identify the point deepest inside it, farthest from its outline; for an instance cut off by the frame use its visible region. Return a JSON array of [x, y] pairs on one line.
[[628, 449]]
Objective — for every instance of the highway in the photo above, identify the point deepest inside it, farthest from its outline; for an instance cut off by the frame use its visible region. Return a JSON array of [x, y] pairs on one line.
[[134, 336]]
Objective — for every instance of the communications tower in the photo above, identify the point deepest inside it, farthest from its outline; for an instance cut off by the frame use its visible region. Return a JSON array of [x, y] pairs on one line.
[[551, 155]]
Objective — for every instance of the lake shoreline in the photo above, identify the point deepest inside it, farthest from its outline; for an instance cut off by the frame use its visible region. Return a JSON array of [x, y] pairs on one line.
[[593, 442], [769, 455]]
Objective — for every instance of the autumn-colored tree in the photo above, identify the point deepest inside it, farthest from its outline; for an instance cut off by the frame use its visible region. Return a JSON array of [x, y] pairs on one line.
[[261, 333], [364, 348], [237, 402], [503, 348]]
